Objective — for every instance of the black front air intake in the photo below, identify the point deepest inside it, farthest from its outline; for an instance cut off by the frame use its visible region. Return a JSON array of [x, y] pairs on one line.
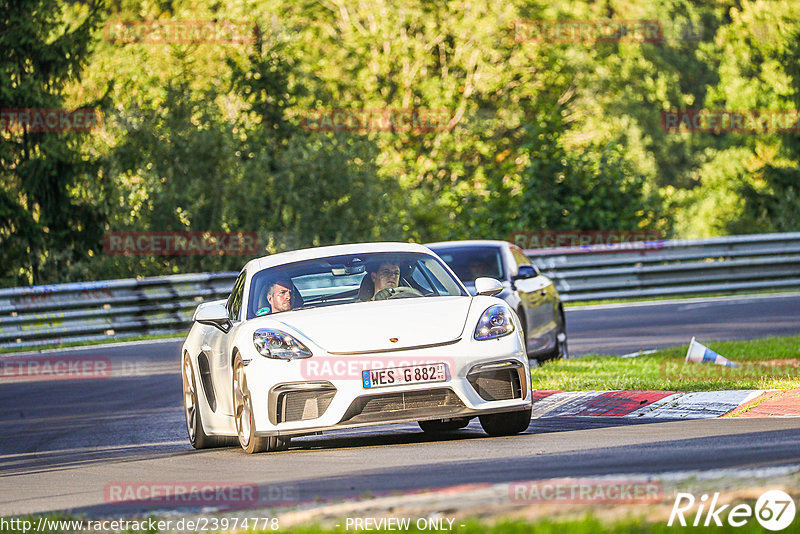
[[303, 405], [497, 381], [299, 401], [403, 405]]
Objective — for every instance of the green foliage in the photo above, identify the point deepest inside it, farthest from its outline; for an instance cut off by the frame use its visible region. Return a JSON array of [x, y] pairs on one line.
[[47, 221], [595, 189], [773, 207], [209, 136], [186, 165]]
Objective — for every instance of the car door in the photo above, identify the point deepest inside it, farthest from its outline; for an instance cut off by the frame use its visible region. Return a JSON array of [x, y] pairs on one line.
[[218, 348], [537, 295]]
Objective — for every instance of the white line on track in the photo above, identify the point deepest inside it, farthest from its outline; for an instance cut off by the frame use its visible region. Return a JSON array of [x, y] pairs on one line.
[[687, 301], [93, 347]]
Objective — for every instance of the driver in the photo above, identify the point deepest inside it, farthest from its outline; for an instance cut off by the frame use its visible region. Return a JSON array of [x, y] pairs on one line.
[[279, 296], [386, 276]]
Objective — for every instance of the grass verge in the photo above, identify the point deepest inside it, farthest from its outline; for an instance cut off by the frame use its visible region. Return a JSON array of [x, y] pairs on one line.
[[769, 363]]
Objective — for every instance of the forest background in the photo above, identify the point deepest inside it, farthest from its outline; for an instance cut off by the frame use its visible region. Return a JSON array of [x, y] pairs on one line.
[[526, 131]]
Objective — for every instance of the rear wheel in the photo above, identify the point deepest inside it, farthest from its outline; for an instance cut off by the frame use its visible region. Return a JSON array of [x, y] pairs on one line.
[[441, 425], [191, 410], [506, 424], [243, 414]]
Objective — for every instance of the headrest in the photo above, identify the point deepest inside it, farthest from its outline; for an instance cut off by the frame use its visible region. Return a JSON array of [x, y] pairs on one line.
[[367, 289]]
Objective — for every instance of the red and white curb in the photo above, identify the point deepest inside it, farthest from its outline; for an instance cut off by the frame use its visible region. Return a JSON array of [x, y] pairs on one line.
[[667, 404]]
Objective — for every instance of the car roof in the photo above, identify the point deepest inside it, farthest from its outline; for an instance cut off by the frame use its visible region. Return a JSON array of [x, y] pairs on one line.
[[468, 243], [333, 250]]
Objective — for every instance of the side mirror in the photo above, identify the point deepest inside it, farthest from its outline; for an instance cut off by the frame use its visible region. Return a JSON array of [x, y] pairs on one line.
[[526, 271], [214, 315], [488, 286]]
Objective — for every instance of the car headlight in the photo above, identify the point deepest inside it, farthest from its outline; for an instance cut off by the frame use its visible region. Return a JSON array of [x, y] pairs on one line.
[[495, 322], [279, 345]]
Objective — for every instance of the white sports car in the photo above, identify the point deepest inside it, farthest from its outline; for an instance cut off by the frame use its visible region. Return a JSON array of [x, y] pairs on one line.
[[349, 336]]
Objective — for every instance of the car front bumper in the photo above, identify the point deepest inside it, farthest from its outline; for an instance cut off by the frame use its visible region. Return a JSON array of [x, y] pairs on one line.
[[326, 392]]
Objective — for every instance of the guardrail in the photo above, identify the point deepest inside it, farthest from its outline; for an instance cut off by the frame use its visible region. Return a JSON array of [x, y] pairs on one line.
[[43, 315], [674, 267]]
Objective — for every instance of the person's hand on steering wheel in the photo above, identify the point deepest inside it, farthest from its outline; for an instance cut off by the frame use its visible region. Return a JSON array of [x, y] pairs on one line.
[[401, 292]]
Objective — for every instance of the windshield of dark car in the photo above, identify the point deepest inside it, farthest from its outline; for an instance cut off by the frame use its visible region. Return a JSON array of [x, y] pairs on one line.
[[470, 263], [346, 279]]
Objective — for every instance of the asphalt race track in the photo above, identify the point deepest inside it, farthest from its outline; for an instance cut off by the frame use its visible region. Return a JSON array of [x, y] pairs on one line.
[[62, 442], [623, 329]]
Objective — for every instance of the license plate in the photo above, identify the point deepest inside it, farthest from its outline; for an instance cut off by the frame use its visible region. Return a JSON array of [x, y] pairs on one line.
[[412, 374]]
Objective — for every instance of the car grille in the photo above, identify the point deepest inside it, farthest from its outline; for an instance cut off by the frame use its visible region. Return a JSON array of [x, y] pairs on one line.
[[406, 404], [497, 384]]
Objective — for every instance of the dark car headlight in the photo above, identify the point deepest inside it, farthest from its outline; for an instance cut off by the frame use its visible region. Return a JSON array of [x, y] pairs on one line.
[[272, 343], [495, 322]]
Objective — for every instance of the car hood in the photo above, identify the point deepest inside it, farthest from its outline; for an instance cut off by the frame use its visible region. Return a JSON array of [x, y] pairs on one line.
[[370, 326]]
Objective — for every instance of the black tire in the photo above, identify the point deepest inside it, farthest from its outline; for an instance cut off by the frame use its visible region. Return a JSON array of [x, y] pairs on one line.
[[438, 425], [524, 323], [560, 351], [245, 421], [507, 423], [194, 421]]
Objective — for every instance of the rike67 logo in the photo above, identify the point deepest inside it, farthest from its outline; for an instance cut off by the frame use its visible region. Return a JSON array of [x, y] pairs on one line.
[[774, 510]]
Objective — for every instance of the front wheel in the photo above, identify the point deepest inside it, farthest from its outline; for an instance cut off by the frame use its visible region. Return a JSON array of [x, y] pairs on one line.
[[561, 352], [507, 423], [191, 410], [243, 414]]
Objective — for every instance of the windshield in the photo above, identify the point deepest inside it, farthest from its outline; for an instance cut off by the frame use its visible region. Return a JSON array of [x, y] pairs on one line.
[[347, 279], [470, 263]]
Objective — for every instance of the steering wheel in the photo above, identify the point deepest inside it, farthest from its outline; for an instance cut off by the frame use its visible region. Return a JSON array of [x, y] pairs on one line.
[[396, 293]]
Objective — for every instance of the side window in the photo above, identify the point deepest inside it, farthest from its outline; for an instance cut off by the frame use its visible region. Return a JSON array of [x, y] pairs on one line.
[[421, 280], [520, 257], [235, 300]]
